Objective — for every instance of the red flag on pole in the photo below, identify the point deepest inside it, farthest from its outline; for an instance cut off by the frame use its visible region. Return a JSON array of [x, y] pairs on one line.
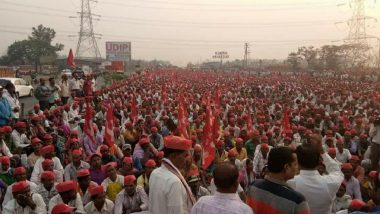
[[88, 124], [70, 59], [108, 134], [134, 113], [207, 140], [182, 118]]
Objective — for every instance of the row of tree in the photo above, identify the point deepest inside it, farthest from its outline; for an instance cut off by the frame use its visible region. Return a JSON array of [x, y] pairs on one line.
[[330, 57], [33, 50]]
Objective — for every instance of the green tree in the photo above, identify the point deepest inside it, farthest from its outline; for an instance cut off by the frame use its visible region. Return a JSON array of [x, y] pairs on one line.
[[308, 54], [36, 46], [294, 60]]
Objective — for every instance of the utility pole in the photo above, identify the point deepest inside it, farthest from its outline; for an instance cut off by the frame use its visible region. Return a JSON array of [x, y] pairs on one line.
[[357, 37], [87, 45], [246, 55]]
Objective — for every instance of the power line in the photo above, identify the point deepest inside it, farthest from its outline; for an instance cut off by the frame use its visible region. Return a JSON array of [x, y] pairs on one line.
[[87, 45]]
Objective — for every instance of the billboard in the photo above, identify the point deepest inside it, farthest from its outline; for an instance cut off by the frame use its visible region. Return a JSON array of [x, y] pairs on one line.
[[118, 51]]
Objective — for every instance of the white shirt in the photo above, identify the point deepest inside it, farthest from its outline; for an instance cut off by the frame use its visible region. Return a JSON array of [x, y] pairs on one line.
[[20, 139], [106, 209], [5, 150], [12, 207], [319, 190], [221, 203], [167, 194], [35, 178], [374, 133], [9, 196], [344, 156], [77, 203]]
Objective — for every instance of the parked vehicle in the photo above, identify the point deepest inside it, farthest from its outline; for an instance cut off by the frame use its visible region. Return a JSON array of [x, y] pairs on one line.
[[22, 87]]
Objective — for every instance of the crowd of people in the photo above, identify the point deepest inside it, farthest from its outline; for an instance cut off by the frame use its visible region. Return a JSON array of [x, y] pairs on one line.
[[200, 142]]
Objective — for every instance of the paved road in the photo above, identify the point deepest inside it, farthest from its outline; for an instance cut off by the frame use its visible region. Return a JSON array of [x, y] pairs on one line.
[[30, 101]]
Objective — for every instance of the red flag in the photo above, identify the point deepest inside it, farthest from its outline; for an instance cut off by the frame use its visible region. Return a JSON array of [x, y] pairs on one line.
[[164, 93], [215, 127], [346, 121], [182, 118], [88, 124], [108, 134], [70, 59], [134, 113], [207, 140], [286, 122]]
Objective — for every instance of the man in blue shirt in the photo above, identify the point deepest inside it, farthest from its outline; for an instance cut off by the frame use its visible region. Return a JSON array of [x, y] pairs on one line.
[[5, 109]]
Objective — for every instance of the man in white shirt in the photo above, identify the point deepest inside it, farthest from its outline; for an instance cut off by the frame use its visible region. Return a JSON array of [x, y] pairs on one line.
[[374, 133], [342, 154], [67, 195], [19, 175], [225, 200], [319, 191], [169, 192], [24, 201], [47, 152], [99, 204], [18, 135], [132, 198]]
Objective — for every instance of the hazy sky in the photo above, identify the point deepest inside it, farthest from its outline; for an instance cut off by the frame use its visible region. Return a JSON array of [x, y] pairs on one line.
[[184, 30]]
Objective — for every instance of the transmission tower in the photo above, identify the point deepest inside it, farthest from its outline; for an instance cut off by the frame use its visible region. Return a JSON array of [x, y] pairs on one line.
[[87, 46], [358, 38], [246, 55]]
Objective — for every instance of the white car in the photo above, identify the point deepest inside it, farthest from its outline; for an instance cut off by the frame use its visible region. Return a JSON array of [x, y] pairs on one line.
[[22, 87]]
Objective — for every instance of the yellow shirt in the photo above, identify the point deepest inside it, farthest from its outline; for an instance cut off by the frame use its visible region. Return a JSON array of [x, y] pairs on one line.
[[142, 181], [242, 155], [221, 157]]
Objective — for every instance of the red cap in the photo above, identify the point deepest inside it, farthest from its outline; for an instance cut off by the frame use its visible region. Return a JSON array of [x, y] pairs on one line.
[[62, 208], [48, 175], [150, 163], [264, 146], [128, 160], [74, 132], [264, 137], [331, 151], [108, 165], [20, 125], [356, 204], [35, 141], [154, 129], [346, 166], [354, 157], [5, 160], [77, 152], [19, 170], [19, 186], [197, 148], [160, 154], [36, 118], [47, 137], [103, 147], [47, 149], [66, 186], [363, 136], [129, 179], [226, 133], [83, 173], [372, 174], [95, 190], [128, 125], [7, 129], [232, 153], [36, 106], [219, 143], [239, 140], [143, 141], [179, 143], [47, 162]]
